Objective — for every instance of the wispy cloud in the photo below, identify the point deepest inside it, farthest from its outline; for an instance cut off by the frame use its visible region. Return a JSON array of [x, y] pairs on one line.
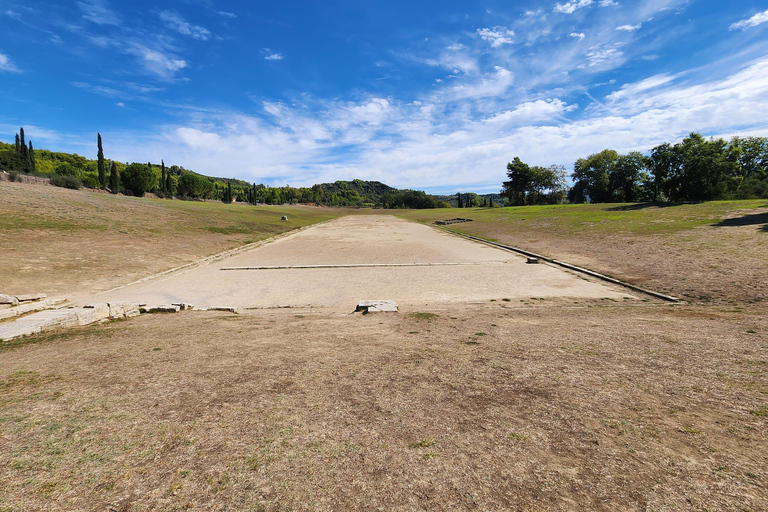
[[578, 35], [573, 6], [270, 55], [99, 12], [496, 36], [629, 28], [754, 21], [7, 65], [174, 21], [226, 14], [155, 61]]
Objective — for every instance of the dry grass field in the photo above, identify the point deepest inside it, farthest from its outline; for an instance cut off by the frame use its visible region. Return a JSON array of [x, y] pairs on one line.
[[711, 252], [501, 405], [56, 240]]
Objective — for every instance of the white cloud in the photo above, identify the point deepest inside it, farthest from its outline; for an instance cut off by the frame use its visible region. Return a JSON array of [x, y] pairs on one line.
[[6, 64], [272, 56], [629, 28], [496, 36], [754, 21], [572, 6], [608, 3], [604, 54], [156, 61], [174, 21], [120, 104], [427, 144], [99, 12], [226, 14], [579, 35]]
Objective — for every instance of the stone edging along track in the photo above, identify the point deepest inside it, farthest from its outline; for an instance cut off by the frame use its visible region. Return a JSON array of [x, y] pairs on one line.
[[563, 264]]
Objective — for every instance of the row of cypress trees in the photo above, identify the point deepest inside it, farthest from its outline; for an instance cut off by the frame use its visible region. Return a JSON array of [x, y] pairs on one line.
[[25, 153]]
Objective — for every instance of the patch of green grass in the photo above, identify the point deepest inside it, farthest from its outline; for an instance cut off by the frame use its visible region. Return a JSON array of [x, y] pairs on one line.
[[762, 412], [602, 218], [517, 437], [424, 443], [424, 316], [471, 342], [479, 334]]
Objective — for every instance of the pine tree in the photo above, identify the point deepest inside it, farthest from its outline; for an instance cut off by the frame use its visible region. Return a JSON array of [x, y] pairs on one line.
[[114, 179], [100, 164], [32, 162]]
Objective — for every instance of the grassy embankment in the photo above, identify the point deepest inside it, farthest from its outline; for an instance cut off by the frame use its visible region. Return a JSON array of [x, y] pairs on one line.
[[56, 240], [703, 252]]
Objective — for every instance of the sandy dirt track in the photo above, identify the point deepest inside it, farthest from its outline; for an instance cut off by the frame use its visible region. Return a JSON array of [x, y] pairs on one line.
[[445, 269]]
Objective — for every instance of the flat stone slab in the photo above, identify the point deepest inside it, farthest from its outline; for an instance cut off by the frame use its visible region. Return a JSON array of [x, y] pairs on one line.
[[29, 307], [377, 306], [29, 297], [51, 319], [162, 308]]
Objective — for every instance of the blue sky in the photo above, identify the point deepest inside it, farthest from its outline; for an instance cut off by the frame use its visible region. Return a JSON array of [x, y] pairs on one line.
[[435, 95]]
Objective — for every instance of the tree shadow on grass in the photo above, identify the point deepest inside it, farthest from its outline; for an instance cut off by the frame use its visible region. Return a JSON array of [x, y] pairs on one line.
[[746, 220], [641, 206]]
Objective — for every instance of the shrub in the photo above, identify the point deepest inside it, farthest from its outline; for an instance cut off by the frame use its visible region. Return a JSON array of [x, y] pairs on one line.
[[90, 181], [138, 178], [66, 182], [14, 176], [753, 189], [66, 169]]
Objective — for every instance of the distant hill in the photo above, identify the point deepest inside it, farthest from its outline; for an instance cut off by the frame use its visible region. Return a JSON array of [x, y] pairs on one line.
[[352, 192]]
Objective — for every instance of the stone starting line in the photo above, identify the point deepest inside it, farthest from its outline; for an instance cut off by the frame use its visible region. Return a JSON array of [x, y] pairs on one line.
[[361, 265]]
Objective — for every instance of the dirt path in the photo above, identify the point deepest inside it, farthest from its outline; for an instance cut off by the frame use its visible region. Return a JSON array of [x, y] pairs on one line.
[[365, 257]]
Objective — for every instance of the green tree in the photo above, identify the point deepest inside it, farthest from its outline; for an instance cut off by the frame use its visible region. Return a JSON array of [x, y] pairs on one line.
[[591, 177], [697, 169], [139, 179], [519, 183], [753, 156], [32, 160], [114, 179], [100, 162], [626, 175]]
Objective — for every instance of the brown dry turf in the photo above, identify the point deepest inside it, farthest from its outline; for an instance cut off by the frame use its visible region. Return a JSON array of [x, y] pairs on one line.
[[533, 405]]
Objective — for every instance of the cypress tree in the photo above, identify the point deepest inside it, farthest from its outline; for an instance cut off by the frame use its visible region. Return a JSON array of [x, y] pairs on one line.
[[491, 202], [459, 196], [18, 145], [168, 185], [100, 163], [163, 183], [23, 147], [114, 179], [32, 162]]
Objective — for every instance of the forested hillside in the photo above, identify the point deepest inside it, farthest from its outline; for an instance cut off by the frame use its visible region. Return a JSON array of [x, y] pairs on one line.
[[76, 171]]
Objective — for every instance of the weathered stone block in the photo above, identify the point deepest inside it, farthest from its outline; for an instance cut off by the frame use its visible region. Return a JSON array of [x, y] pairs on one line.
[[93, 313], [163, 308], [9, 299]]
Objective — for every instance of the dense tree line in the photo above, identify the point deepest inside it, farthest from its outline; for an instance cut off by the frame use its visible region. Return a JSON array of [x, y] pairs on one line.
[[138, 179], [695, 169]]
